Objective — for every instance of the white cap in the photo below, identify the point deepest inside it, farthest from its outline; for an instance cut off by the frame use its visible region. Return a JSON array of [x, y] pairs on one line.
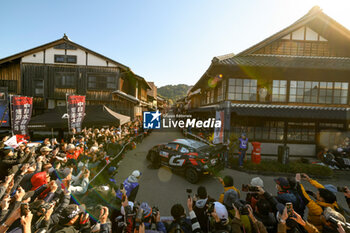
[[257, 181], [221, 211], [136, 173]]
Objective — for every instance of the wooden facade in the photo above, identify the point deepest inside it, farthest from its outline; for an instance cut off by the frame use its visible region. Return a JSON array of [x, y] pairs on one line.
[[51, 71]]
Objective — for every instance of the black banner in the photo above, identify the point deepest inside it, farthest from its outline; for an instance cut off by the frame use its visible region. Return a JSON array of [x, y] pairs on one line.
[[21, 113]]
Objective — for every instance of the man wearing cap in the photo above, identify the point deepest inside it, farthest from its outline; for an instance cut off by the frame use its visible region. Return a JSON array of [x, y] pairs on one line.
[[149, 217], [242, 148], [283, 194], [131, 186], [73, 219]]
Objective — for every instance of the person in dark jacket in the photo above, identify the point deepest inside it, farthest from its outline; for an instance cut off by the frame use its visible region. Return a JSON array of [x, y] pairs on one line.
[[283, 193], [180, 223], [74, 220], [8, 163], [200, 207]]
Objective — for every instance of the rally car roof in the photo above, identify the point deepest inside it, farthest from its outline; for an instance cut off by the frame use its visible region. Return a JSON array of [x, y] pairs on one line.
[[190, 142]]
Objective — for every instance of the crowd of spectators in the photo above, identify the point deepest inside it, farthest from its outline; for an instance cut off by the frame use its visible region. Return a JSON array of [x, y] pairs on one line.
[[43, 182], [45, 187], [290, 209]]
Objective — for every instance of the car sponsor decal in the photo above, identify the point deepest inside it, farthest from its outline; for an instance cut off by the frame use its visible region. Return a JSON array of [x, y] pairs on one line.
[[164, 154], [176, 161]]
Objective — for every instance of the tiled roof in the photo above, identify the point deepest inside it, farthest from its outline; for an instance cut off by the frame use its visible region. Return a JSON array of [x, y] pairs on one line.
[[288, 111], [288, 61], [284, 111], [127, 96]]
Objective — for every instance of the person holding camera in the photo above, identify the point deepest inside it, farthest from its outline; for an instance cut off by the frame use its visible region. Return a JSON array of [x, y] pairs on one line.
[[324, 198], [291, 221], [181, 223], [334, 222], [201, 201], [152, 216]]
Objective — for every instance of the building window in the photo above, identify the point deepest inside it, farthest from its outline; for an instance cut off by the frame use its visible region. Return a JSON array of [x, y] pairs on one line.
[[38, 87], [326, 93], [301, 132], [340, 94], [259, 129], [59, 58], [242, 89], [65, 80], [318, 92], [102, 82], [279, 90], [65, 46], [65, 59]]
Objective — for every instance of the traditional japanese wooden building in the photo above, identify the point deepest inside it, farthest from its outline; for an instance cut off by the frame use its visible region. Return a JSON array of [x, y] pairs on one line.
[[50, 71], [292, 87]]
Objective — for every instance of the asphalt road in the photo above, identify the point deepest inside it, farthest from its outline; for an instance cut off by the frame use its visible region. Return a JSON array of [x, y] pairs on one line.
[[162, 188]]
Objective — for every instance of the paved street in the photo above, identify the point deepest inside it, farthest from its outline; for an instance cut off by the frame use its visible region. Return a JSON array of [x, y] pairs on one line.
[[163, 189]]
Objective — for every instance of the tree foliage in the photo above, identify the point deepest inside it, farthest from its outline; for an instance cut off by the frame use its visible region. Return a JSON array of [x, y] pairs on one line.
[[173, 92]]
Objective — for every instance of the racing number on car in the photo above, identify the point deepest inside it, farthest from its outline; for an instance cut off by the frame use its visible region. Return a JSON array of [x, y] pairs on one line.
[[175, 161]]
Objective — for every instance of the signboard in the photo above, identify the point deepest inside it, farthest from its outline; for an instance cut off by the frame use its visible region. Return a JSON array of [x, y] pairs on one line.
[[76, 111], [219, 131], [21, 113]]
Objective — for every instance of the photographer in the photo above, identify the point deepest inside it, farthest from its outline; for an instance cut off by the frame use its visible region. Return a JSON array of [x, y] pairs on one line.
[[73, 219], [324, 199], [180, 221], [334, 222], [290, 222], [201, 201], [152, 216], [244, 220]]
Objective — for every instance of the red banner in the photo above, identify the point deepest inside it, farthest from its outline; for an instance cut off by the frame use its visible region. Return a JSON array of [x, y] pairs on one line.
[[76, 111]]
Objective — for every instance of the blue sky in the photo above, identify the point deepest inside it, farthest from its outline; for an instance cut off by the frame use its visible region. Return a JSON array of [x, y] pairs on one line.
[[165, 41]]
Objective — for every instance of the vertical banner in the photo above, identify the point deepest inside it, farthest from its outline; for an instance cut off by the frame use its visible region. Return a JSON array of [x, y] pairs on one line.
[[4, 108], [76, 111], [21, 113], [219, 132]]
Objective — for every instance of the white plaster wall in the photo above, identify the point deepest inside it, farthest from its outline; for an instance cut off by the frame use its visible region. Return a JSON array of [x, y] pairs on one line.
[[96, 61], [81, 56], [298, 34], [38, 58], [50, 55], [311, 35]]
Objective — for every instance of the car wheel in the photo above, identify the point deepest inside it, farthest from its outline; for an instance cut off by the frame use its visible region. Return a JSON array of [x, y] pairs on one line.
[[153, 156], [191, 175], [148, 157]]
